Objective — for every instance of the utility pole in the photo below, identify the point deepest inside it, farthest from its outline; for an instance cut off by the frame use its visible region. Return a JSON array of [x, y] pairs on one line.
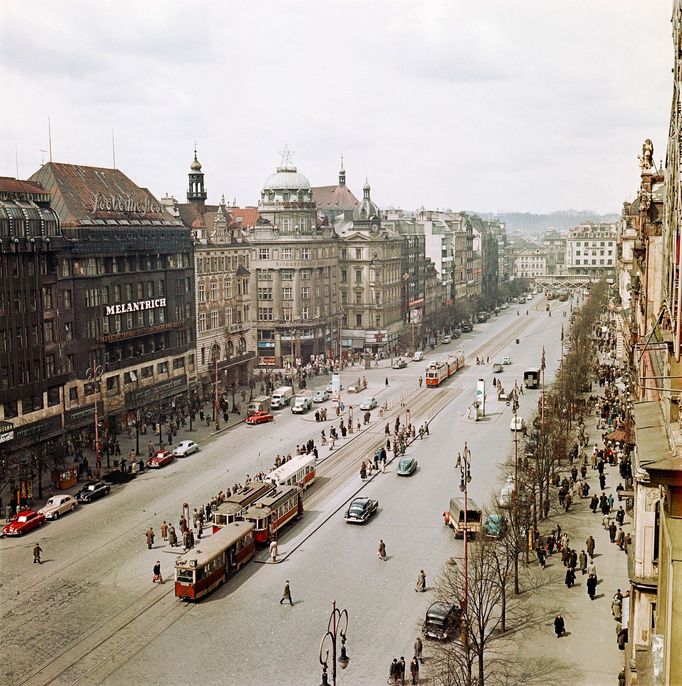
[[94, 375], [217, 407], [465, 478]]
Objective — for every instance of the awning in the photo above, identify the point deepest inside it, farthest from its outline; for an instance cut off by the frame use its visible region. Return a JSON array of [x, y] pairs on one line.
[[620, 436], [651, 432]]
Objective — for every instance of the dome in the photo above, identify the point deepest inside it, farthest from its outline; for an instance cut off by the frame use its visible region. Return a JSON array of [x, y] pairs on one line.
[[286, 178], [196, 165], [367, 209]]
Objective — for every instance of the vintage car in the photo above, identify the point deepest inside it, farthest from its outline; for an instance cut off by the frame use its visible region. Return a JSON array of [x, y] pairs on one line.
[[185, 448], [518, 424], [58, 505], [160, 459], [23, 522], [321, 396], [368, 404], [360, 510], [92, 490], [442, 621], [495, 525], [259, 418], [407, 466], [506, 360], [506, 493], [399, 363], [498, 368]]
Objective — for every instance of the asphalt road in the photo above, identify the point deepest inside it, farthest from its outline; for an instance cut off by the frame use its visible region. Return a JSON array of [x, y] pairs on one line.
[[90, 614]]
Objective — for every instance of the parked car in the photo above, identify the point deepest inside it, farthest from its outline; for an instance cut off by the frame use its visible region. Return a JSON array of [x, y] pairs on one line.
[[456, 333], [418, 356], [160, 459], [23, 522], [321, 396], [495, 525], [92, 490], [506, 360], [399, 363], [58, 505], [368, 404], [407, 466], [506, 493], [447, 339], [259, 418], [518, 424], [302, 403], [442, 621], [185, 448], [467, 327], [360, 510], [498, 368]]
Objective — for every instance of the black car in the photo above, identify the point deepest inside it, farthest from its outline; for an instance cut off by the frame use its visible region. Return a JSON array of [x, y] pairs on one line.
[[456, 333], [442, 621], [467, 327], [360, 510], [92, 490]]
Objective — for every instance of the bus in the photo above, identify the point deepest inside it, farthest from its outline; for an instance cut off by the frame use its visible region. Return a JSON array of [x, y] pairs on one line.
[[300, 470], [274, 511], [439, 371], [234, 507], [214, 560]]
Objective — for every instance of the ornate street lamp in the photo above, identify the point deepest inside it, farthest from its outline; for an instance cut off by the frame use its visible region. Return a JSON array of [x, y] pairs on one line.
[[462, 463], [94, 375], [337, 627]]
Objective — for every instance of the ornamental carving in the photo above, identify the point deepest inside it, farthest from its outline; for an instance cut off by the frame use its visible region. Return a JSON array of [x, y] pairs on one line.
[[646, 160]]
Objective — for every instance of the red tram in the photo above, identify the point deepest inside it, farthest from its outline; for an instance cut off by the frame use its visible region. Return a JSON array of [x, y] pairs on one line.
[[234, 507], [274, 511], [440, 370], [214, 560]]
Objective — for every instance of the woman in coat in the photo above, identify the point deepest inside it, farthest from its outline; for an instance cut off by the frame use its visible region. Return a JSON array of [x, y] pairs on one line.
[[591, 586], [421, 582], [559, 626]]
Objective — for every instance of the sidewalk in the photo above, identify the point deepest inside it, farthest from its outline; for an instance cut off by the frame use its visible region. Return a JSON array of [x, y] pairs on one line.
[[588, 655]]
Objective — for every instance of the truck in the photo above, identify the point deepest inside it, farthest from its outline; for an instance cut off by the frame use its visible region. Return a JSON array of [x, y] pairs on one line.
[[259, 404], [474, 517], [302, 403], [281, 397], [531, 377]]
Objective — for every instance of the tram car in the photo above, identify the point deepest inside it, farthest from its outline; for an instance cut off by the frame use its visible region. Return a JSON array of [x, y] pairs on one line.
[[214, 560], [234, 507], [300, 470], [274, 511], [440, 370]]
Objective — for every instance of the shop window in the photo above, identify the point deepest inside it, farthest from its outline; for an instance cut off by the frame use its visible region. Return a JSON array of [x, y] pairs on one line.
[[53, 396], [73, 394], [11, 410], [147, 372], [162, 368], [179, 363]]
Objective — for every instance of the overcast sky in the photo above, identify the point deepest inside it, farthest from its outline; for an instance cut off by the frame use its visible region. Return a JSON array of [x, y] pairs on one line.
[[525, 105]]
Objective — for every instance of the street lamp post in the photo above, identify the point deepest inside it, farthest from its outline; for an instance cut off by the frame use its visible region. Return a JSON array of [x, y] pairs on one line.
[[463, 459], [94, 375], [515, 408], [217, 411], [337, 627]]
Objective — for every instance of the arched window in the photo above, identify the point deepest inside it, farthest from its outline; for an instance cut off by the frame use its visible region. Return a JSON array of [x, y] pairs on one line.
[[230, 349], [241, 346], [215, 352]]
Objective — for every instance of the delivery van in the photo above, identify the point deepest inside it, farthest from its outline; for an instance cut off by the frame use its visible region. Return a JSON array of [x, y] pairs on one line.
[[302, 403], [281, 397], [259, 404], [474, 517]]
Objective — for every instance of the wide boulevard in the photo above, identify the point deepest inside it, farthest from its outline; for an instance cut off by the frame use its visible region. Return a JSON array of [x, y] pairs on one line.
[[91, 615]]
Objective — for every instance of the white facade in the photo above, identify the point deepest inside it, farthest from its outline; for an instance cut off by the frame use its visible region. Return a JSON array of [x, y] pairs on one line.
[[591, 248], [530, 264]]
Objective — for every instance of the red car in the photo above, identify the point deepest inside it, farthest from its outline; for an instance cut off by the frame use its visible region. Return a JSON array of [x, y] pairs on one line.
[[259, 418], [160, 459], [23, 522]]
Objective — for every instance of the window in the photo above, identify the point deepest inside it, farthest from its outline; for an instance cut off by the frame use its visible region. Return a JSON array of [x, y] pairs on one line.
[[265, 294], [305, 292], [305, 313], [47, 298], [305, 253], [162, 368], [213, 291], [73, 394], [286, 253], [344, 276], [179, 363], [215, 321], [228, 316], [228, 289], [112, 383], [358, 276], [147, 372], [344, 254], [49, 366], [202, 293], [305, 274], [358, 297], [66, 298], [263, 253], [303, 223], [265, 314], [202, 322], [358, 253], [287, 274], [358, 321], [48, 331], [287, 293], [32, 404]]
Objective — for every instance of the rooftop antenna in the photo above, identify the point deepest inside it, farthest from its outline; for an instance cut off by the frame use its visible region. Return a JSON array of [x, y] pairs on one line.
[[286, 156], [49, 137], [113, 149]]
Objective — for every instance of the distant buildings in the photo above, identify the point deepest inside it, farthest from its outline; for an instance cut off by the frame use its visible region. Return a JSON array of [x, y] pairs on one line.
[[530, 264], [591, 250]]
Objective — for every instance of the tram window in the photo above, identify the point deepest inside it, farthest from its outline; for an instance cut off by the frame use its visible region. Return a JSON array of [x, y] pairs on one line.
[[185, 575], [220, 519], [201, 574]]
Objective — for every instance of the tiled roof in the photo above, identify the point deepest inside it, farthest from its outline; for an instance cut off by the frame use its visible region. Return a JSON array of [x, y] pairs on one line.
[[334, 198], [83, 195], [244, 217], [12, 185], [247, 215]]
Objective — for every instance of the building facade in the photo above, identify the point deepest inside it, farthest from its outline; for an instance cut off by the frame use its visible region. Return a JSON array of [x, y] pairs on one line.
[[530, 264], [591, 250]]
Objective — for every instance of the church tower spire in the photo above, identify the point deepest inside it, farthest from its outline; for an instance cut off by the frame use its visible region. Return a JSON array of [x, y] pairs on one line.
[[196, 191]]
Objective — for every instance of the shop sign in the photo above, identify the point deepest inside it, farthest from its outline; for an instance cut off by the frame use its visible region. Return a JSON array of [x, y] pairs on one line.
[[135, 307], [6, 436], [115, 202], [268, 361]]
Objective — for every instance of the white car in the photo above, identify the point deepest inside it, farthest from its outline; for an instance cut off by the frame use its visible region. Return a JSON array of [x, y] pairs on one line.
[[368, 404], [506, 494], [185, 448], [506, 360], [518, 424], [447, 339], [321, 396], [58, 505]]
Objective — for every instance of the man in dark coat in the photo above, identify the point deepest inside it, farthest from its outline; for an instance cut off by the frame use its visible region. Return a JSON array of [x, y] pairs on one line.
[[589, 546], [570, 578], [286, 594], [394, 672], [620, 515], [591, 586], [559, 626], [612, 531]]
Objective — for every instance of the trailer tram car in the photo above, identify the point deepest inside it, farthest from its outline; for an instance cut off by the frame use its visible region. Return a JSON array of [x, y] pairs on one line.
[[234, 507], [274, 511], [440, 370], [214, 560], [298, 471]]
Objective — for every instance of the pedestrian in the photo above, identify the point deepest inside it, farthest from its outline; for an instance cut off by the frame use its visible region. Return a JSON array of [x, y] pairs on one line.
[[8, 512], [620, 538], [386, 382], [172, 537], [401, 670], [150, 537], [620, 516], [589, 546], [594, 503], [421, 582], [540, 552], [157, 573], [612, 532], [36, 554], [273, 550], [559, 626], [164, 530], [394, 672], [381, 552], [591, 586], [418, 648], [582, 561], [617, 608], [414, 670], [570, 577], [286, 594]]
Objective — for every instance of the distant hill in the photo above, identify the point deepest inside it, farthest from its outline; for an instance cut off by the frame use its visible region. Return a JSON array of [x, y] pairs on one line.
[[539, 223]]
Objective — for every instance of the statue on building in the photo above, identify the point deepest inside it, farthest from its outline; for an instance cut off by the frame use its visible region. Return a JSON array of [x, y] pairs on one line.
[[644, 199], [646, 160]]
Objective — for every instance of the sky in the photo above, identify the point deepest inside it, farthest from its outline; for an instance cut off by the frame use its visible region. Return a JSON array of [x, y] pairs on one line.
[[530, 105]]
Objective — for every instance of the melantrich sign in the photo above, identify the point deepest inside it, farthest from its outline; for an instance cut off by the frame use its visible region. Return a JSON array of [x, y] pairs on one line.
[[121, 203], [135, 307]]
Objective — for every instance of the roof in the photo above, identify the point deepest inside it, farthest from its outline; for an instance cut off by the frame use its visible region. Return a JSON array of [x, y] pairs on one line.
[[243, 217], [83, 195], [209, 547], [334, 198], [9, 184], [287, 177]]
